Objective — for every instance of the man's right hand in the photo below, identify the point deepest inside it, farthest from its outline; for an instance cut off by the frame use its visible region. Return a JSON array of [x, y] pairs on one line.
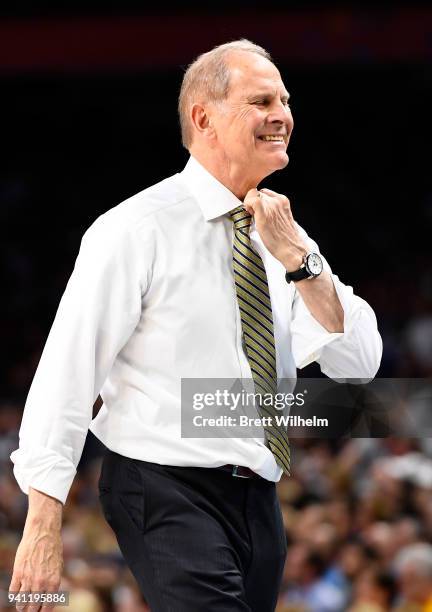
[[39, 559]]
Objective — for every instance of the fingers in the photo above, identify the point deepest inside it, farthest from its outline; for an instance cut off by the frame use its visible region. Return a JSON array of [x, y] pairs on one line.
[[16, 587], [280, 201], [15, 582], [269, 202], [277, 196], [270, 192], [29, 593], [23, 589], [19, 585], [252, 201], [23, 605]]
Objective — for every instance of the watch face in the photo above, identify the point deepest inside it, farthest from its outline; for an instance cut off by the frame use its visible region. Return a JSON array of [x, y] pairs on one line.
[[314, 263]]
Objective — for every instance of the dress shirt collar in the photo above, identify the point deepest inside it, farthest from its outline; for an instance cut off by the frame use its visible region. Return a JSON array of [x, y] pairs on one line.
[[213, 198]]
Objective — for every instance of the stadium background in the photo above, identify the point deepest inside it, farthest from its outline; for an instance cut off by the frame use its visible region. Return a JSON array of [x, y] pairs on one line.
[[89, 118]]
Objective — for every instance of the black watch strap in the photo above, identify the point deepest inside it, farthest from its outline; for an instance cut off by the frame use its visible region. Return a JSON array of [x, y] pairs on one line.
[[297, 275]]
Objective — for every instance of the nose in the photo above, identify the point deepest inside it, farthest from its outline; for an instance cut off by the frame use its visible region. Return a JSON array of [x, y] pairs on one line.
[[280, 114]]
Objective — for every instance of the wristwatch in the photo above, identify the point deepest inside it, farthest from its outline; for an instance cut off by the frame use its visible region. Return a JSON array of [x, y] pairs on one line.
[[311, 268]]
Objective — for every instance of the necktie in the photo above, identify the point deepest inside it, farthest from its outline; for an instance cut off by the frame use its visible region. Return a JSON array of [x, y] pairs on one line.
[[257, 324]]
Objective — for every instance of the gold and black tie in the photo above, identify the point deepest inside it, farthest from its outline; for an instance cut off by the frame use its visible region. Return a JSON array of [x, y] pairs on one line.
[[257, 326]]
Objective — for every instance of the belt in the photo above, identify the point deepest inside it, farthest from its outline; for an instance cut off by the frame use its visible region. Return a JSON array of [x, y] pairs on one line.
[[239, 471]]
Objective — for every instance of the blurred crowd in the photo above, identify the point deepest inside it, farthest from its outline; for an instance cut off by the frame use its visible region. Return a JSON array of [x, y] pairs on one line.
[[357, 513], [358, 516]]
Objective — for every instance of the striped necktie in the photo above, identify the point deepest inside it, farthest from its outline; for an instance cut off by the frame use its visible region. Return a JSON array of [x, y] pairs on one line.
[[257, 324]]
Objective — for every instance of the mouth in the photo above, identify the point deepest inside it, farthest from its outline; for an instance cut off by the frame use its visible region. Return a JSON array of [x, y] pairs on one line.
[[273, 138]]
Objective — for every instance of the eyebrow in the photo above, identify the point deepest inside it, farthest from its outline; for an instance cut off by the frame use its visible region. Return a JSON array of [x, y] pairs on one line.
[[265, 93]]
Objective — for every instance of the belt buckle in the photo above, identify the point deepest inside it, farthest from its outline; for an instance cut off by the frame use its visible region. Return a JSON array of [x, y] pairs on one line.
[[235, 472]]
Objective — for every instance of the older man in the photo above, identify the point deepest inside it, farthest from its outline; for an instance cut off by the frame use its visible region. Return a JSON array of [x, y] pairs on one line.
[[200, 276]]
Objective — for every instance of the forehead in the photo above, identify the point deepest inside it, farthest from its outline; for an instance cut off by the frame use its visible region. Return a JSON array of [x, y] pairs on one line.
[[250, 72]]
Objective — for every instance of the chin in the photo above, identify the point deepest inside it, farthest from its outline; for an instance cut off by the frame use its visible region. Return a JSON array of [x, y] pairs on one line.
[[284, 159], [280, 162]]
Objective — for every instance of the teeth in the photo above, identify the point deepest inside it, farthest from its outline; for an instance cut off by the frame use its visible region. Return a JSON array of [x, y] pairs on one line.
[[278, 138]]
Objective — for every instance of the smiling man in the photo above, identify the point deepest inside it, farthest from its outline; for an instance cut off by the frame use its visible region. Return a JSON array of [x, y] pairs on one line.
[[204, 275], [247, 126]]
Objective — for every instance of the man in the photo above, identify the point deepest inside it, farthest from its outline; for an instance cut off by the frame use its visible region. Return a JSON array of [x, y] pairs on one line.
[[188, 279]]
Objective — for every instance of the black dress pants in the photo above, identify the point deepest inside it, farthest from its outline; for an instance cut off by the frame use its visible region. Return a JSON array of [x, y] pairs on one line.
[[196, 539]]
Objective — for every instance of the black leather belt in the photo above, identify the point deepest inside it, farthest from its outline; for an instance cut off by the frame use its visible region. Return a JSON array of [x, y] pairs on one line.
[[239, 471]]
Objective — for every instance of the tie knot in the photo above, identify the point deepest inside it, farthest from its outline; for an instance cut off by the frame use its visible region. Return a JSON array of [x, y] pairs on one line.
[[241, 218]]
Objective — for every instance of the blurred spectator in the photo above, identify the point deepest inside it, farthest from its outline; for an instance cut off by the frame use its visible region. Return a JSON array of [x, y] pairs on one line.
[[305, 583], [374, 592], [413, 566]]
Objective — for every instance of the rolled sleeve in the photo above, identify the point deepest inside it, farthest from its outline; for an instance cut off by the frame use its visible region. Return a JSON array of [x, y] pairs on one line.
[[98, 312], [43, 469], [355, 353], [309, 337]]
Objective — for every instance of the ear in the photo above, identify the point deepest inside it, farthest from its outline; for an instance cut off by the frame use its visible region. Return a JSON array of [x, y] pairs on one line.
[[201, 120]]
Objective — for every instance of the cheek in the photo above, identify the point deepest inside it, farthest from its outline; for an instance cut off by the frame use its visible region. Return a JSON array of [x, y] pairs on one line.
[[240, 130], [249, 120], [252, 122]]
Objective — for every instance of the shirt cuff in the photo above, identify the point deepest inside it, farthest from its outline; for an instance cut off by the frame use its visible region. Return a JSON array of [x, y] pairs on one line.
[[43, 469], [309, 338]]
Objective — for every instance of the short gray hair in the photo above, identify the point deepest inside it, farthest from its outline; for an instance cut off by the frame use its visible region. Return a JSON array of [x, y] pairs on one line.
[[208, 78], [418, 556]]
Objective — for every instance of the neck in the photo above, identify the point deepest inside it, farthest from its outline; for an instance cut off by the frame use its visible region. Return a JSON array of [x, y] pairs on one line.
[[231, 175]]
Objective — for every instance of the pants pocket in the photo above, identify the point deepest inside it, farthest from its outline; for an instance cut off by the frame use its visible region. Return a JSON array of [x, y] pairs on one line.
[[105, 499], [131, 495]]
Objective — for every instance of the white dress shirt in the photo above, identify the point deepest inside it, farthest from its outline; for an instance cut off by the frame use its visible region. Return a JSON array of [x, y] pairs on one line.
[[151, 300]]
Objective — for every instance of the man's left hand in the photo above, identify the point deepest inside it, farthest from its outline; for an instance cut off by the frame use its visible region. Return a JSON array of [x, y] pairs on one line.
[[276, 226]]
